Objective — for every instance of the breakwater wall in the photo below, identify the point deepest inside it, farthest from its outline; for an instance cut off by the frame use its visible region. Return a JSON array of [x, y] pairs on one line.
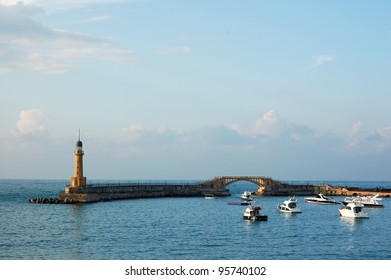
[[284, 189], [108, 192], [277, 188]]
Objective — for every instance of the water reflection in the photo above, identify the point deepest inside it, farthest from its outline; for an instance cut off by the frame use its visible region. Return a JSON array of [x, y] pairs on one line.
[[350, 223]]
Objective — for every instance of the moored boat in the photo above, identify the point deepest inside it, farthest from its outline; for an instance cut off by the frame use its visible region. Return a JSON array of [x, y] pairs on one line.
[[368, 201], [321, 199], [354, 209], [246, 196], [289, 206], [210, 196], [252, 213]]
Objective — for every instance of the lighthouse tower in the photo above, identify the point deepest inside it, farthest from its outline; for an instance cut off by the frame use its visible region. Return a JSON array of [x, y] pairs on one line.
[[78, 180]]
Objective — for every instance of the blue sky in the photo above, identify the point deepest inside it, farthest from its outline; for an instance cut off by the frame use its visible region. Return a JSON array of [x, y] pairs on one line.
[[295, 90]]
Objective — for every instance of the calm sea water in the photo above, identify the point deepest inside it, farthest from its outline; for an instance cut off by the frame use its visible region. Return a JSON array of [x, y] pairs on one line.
[[183, 228]]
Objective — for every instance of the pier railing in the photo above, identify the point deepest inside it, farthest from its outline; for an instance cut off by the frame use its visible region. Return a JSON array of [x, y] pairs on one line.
[[101, 184]]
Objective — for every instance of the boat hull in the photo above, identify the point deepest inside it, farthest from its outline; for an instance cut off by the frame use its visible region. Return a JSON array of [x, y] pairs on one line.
[[255, 218], [349, 214], [321, 201], [289, 211], [245, 203]]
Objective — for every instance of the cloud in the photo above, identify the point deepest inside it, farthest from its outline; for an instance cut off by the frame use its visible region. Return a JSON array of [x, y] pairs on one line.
[[28, 45], [174, 50], [269, 129], [384, 140], [362, 141], [385, 132], [140, 139], [356, 128], [318, 60], [20, 7], [353, 139], [60, 3], [270, 145], [269, 124], [98, 18], [30, 121], [135, 132]]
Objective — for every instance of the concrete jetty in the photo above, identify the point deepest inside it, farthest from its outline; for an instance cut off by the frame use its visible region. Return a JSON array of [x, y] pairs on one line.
[[116, 191], [109, 192], [277, 188]]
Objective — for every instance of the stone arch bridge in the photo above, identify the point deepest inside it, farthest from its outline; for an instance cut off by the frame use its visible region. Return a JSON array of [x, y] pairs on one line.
[[222, 182]]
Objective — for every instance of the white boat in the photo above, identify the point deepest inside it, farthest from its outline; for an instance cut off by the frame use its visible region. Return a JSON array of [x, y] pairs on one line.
[[246, 196], [354, 209], [252, 213], [210, 196], [368, 201], [289, 206], [321, 199]]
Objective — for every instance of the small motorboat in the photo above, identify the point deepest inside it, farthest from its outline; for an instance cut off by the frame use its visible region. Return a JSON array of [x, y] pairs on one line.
[[210, 196], [321, 199], [289, 206], [354, 209], [368, 201], [252, 213], [246, 196]]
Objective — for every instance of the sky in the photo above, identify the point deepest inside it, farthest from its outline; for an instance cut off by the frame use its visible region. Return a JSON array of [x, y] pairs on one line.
[[183, 90]]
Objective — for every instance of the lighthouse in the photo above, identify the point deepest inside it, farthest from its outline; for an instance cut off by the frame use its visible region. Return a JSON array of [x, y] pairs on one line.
[[78, 180]]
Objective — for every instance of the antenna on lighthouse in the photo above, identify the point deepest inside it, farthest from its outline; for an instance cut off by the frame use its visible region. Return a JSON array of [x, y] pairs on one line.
[[79, 134]]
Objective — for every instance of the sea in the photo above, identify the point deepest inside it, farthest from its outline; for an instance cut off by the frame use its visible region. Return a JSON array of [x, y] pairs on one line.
[[191, 228]]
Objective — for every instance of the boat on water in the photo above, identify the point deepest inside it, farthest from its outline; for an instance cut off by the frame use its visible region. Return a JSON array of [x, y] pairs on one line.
[[321, 199], [289, 206], [354, 209], [246, 196], [252, 213], [239, 203], [368, 201], [210, 196]]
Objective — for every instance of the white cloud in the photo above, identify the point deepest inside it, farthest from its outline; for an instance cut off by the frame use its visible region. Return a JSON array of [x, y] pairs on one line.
[[59, 3], [362, 141], [130, 133], [140, 134], [270, 135], [322, 59], [269, 124], [385, 138], [28, 45], [356, 128], [98, 18], [354, 138], [295, 151], [385, 132], [30, 121], [14, 2]]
